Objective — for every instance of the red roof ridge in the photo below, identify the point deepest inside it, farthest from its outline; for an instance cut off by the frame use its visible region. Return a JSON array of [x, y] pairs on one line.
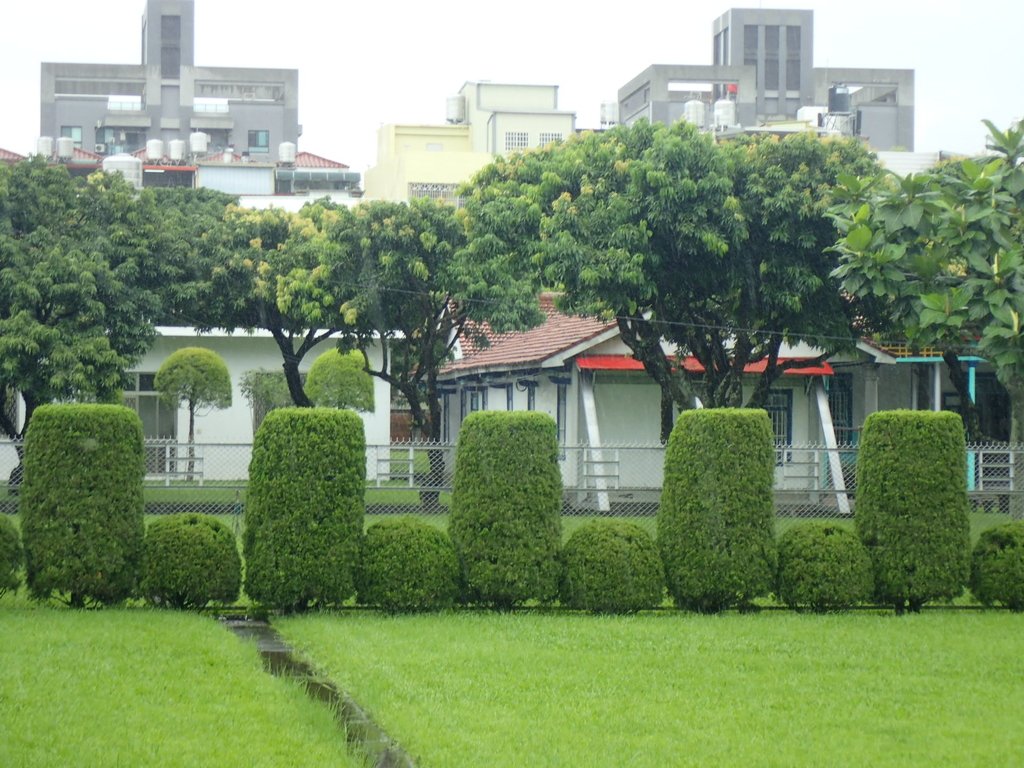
[[309, 160]]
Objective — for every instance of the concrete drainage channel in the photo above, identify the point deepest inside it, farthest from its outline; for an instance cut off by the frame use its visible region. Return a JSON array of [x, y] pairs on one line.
[[279, 660]]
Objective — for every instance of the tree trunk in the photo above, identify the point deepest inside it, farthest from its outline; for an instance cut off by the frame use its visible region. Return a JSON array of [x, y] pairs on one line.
[[294, 380], [191, 440], [968, 408]]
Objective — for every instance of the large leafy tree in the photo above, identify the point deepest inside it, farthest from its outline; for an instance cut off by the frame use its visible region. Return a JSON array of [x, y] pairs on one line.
[[417, 282], [718, 249], [264, 270], [944, 250], [80, 277]]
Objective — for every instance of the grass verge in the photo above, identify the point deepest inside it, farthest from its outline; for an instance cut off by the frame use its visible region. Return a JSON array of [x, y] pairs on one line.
[[675, 689], [148, 688]]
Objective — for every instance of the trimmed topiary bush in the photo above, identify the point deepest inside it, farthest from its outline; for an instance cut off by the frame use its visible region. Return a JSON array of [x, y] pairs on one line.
[[11, 556], [912, 509], [506, 500], [190, 560], [81, 503], [716, 520], [408, 565], [612, 566], [304, 509], [824, 567], [997, 566]]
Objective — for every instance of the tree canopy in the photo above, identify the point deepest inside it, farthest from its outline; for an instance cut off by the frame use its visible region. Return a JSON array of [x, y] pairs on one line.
[[340, 380], [944, 251], [195, 377], [719, 249]]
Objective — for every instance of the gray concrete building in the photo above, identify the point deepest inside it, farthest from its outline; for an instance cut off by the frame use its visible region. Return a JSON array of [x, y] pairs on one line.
[[763, 74], [115, 108]]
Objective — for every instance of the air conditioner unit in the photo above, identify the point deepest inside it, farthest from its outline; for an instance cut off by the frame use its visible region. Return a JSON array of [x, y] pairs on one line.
[[100, 149]]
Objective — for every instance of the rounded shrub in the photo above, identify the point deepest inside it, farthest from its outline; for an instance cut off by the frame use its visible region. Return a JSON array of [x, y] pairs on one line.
[[506, 501], [81, 503], [997, 566], [911, 505], [339, 380], [716, 519], [188, 561], [408, 565], [304, 509], [824, 567], [11, 556], [612, 566]]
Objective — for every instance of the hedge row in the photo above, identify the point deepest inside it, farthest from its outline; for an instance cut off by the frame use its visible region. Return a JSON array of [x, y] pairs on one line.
[[304, 542]]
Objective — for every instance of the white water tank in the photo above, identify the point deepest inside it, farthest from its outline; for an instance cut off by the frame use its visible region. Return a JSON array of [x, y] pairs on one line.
[[176, 150], [695, 111], [128, 166], [455, 110], [286, 152], [65, 147], [229, 154], [154, 149], [725, 113], [44, 146], [198, 143]]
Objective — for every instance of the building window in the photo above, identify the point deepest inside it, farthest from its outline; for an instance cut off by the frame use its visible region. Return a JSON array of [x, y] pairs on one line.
[[516, 140], [531, 398], [771, 58], [549, 137], [562, 412], [72, 132], [793, 58], [473, 399], [208, 104], [840, 404], [259, 142], [159, 420], [170, 47], [780, 411]]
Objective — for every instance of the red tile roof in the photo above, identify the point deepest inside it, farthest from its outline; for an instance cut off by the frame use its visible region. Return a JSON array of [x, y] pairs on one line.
[[84, 155], [309, 160], [556, 334], [6, 156], [692, 365]]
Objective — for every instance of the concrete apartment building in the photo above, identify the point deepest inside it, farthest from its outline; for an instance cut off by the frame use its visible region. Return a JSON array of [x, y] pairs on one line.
[[117, 108], [483, 120], [762, 75]]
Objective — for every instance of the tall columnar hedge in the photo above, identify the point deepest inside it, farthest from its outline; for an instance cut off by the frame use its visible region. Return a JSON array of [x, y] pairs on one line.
[[506, 500], [11, 556], [81, 503], [304, 510], [911, 505], [716, 520]]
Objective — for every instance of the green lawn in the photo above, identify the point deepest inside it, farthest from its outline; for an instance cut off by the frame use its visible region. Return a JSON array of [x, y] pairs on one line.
[[780, 689], [148, 688]]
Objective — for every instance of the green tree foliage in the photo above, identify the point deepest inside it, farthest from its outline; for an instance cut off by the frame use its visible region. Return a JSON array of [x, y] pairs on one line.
[[912, 505], [81, 275], [268, 270], [415, 285], [81, 503], [408, 565], [196, 377], [720, 248], [11, 556], [612, 566], [340, 380], [944, 251], [716, 519], [997, 566], [824, 567], [189, 561], [304, 510], [506, 500]]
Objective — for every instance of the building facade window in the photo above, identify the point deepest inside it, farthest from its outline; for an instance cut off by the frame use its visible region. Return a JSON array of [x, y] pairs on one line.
[[259, 142], [840, 404], [771, 58], [72, 132], [170, 47], [793, 58], [562, 411], [516, 140], [780, 411], [549, 137]]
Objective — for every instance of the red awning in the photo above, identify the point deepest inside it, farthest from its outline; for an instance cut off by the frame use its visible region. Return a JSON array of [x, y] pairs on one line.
[[691, 365]]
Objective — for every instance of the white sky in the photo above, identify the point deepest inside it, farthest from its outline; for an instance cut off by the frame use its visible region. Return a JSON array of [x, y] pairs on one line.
[[364, 64]]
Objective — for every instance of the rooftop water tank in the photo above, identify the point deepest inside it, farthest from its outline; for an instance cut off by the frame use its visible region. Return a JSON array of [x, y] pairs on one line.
[[128, 166], [44, 146], [154, 149], [455, 111], [229, 155], [176, 150], [286, 152], [198, 143], [839, 99], [695, 111], [725, 113], [65, 147]]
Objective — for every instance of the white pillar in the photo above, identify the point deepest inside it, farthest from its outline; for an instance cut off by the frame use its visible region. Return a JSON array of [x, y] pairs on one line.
[[832, 447]]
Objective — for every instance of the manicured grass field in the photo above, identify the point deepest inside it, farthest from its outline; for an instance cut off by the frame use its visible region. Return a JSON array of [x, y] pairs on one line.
[[941, 688], [147, 688]]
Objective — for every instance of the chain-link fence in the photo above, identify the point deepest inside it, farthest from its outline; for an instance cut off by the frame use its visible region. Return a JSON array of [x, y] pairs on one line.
[[620, 480]]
